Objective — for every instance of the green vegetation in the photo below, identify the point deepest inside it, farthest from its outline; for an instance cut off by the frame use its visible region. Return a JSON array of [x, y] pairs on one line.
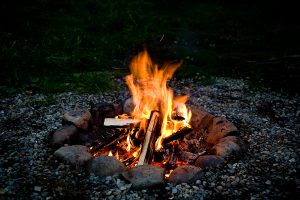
[[45, 42]]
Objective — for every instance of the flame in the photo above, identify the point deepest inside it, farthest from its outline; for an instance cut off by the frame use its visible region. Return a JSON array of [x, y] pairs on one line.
[[148, 86], [117, 155], [110, 153], [167, 175], [128, 143]]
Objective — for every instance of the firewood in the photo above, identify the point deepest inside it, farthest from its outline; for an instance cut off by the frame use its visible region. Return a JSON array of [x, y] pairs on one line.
[[120, 122], [108, 147], [183, 131], [150, 139]]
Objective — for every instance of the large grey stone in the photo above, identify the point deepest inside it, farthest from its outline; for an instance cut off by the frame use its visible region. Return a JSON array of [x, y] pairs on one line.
[[80, 118], [105, 166], [200, 118], [227, 146], [63, 134], [209, 161], [219, 128], [185, 174], [76, 155], [143, 176]]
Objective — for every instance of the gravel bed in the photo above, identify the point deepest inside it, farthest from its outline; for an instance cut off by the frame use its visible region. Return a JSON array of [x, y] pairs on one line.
[[268, 121]]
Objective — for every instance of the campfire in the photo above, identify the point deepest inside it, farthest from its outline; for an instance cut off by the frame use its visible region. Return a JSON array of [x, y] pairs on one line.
[[154, 127], [156, 120]]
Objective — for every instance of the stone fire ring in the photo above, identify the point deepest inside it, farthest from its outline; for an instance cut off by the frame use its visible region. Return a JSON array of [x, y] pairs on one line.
[[220, 136]]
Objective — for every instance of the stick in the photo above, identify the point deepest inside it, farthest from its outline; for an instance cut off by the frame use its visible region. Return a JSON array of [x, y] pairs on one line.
[[150, 138], [104, 148]]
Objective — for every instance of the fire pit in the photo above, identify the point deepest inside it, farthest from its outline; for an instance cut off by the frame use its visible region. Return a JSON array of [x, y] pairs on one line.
[[152, 137]]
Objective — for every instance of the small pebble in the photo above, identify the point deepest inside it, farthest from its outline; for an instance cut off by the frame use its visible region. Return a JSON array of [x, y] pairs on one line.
[[174, 190], [37, 188]]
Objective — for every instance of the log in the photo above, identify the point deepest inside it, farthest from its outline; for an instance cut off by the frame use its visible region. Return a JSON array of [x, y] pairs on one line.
[[120, 122], [183, 131], [150, 139], [105, 148]]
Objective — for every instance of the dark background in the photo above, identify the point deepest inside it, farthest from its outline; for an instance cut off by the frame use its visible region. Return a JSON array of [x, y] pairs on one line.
[[77, 45]]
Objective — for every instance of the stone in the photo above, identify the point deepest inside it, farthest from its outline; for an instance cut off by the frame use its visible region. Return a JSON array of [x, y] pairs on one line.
[[76, 155], [219, 128], [268, 182], [200, 118], [128, 106], [209, 161], [227, 146], [37, 188], [105, 166], [143, 176], [174, 190], [100, 111], [80, 118], [219, 188], [63, 135], [185, 174]]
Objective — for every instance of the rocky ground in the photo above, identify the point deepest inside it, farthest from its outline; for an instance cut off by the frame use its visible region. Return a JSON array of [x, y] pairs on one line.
[[268, 122]]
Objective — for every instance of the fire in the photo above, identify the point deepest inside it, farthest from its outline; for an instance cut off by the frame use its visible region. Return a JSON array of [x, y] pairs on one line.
[[148, 86]]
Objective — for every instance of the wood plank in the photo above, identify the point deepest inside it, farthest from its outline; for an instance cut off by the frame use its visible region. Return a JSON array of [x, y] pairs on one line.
[[120, 122]]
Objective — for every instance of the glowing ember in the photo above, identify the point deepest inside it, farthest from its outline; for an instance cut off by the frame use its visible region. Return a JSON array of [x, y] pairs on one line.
[[148, 86]]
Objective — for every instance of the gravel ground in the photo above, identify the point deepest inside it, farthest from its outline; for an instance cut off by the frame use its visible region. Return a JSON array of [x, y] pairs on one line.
[[269, 122]]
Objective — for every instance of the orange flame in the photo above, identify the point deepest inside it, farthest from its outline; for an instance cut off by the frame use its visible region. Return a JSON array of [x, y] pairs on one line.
[[148, 86]]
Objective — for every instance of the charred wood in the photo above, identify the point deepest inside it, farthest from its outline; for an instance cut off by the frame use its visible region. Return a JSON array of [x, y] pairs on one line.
[[182, 132]]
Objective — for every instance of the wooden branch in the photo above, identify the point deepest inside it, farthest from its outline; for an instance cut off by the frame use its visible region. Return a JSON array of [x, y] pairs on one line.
[[120, 122], [150, 139], [108, 147], [177, 135]]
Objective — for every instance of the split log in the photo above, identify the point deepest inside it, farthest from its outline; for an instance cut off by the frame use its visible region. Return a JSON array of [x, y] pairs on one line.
[[115, 122], [150, 139]]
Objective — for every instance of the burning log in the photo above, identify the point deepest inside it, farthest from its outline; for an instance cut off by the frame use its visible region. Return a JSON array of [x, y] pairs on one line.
[[106, 148], [177, 135], [150, 139]]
